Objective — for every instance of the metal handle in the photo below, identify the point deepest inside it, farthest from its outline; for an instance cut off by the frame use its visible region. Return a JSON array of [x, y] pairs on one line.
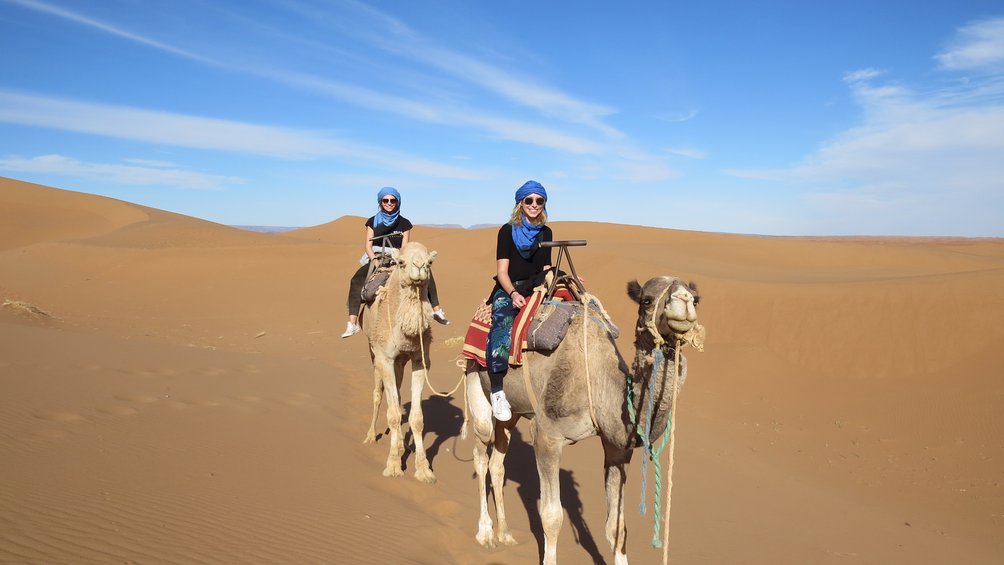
[[564, 243]]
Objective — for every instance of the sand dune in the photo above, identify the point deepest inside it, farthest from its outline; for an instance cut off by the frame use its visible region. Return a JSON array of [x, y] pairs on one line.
[[175, 391]]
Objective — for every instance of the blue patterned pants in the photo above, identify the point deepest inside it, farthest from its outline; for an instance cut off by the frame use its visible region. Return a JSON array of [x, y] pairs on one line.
[[500, 334]]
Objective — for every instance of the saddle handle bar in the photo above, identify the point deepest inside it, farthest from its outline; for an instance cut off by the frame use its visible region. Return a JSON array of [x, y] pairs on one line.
[[564, 243], [574, 282], [387, 235]]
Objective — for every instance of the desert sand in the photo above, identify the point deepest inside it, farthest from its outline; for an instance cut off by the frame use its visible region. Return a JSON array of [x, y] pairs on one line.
[[176, 391]]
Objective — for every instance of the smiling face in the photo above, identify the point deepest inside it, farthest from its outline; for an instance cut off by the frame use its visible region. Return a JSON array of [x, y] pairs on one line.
[[388, 204], [533, 205]]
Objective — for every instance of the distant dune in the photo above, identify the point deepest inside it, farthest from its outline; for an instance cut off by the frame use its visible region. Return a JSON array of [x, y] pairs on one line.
[[175, 390]]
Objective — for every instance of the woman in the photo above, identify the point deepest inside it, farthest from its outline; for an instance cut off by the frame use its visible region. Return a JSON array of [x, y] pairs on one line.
[[520, 265], [387, 220]]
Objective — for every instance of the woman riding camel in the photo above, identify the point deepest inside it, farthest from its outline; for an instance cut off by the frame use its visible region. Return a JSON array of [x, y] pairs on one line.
[[520, 265], [387, 221]]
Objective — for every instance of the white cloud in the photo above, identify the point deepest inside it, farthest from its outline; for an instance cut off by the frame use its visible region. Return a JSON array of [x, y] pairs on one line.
[[204, 133], [397, 38], [678, 118], [978, 46], [687, 152], [522, 90], [916, 160], [108, 28], [135, 175]]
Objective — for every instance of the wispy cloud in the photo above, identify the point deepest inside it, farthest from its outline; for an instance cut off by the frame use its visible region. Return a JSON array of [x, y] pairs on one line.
[[678, 117], [204, 133], [497, 126], [525, 91], [977, 47], [932, 153], [135, 175], [108, 28], [687, 152], [396, 37]]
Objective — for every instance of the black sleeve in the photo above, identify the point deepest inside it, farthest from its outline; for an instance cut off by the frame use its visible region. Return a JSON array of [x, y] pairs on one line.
[[504, 245]]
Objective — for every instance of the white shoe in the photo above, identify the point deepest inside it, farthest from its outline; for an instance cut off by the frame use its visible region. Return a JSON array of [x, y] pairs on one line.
[[440, 317], [500, 407], [351, 329]]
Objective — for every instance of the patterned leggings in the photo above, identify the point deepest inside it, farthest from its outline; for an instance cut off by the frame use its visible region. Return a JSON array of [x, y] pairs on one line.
[[500, 334]]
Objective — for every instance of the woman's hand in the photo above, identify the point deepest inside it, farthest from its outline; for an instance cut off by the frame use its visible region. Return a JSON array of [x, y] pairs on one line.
[[518, 300]]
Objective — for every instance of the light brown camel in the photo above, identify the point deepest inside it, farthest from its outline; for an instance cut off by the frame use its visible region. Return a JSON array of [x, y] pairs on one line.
[[581, 390], [398, 327]]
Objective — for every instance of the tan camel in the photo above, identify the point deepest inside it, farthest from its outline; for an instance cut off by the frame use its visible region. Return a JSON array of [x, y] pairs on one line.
[[398, 327], [581, 390]]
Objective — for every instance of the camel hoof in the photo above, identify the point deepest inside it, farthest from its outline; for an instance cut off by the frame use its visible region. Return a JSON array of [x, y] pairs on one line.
[[426, 476], [370, 438], [487, 540], [505, 538], [393, 472]]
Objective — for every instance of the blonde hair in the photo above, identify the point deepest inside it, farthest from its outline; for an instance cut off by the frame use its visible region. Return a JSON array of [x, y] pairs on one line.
[[517, 216]]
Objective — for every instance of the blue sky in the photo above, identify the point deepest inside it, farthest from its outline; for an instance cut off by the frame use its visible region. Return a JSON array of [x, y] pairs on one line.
[[773, 117]]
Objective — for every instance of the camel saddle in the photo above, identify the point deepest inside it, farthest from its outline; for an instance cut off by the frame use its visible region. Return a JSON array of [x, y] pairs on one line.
[[539, 326]]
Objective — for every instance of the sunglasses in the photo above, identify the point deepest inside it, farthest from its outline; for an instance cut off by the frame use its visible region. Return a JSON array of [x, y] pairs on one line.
[[530, 200], [389, 200]]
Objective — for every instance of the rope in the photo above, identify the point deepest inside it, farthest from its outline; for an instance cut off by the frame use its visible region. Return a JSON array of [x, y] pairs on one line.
[[652, 452], [585, 357], [425, 368], [672, 446]]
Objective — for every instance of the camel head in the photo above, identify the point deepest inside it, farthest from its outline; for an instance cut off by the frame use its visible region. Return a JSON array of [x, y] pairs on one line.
[[413, 263], [665, 304]]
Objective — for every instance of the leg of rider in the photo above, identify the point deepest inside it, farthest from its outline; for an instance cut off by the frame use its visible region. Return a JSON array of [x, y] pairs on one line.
[[355, 294]]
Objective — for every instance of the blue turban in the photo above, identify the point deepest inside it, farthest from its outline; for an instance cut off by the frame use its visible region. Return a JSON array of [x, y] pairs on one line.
[[383, 217], [528, 188]]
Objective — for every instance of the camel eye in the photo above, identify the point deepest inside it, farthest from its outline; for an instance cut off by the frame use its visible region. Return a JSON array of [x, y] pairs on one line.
[[646, 302]]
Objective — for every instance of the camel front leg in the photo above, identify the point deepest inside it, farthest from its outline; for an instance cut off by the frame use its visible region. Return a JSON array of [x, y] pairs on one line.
[[486, 537], [548, 451], [496, 467], [377, 399], [615, 475], [416, 420], [393, 467]]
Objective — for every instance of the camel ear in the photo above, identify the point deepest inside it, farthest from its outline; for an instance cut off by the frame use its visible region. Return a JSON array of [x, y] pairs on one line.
[[693, 290], [634, 291], [432, 256]]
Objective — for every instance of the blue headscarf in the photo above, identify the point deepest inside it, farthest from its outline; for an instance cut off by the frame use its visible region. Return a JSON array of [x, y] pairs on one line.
[[383, 217], [528, 188], [526, 236]]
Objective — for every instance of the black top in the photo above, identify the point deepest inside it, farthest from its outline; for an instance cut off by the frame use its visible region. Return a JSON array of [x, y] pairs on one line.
[[521, 269], [402, 225]]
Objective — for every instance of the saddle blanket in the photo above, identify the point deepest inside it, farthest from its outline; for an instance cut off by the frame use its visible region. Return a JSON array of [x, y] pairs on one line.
[[476, 340]]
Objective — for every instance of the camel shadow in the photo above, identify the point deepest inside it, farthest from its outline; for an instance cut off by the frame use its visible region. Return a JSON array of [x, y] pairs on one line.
[[443, 421], [521, 468]]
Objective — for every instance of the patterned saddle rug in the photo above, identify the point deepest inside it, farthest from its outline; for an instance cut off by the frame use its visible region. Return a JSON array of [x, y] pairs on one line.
[[539, 326]]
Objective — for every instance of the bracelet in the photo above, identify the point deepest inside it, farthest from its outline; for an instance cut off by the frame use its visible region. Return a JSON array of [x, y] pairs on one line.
[[512, 291]]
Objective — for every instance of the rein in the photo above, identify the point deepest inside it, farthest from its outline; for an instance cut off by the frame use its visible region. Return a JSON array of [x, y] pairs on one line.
[[644, 431]]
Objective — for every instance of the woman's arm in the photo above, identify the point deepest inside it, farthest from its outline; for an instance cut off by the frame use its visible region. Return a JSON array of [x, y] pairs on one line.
[[405, 238], [369, 243], [502, 274]]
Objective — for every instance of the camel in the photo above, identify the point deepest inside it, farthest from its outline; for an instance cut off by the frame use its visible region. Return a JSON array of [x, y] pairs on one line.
[[399, 330], [582, 389]]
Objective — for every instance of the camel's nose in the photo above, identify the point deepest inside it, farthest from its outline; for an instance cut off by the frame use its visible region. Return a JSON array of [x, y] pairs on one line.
[[681, 305]]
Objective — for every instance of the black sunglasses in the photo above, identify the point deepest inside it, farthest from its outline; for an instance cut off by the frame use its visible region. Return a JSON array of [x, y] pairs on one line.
[[530, 200], [389, 200]]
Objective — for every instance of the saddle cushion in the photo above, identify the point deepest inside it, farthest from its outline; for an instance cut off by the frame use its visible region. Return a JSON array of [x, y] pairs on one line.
[[373, 284], [476, 340]]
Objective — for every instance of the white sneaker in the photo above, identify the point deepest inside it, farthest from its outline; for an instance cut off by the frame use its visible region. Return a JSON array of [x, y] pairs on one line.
[[440, 317], [500, 407], [351, 329]]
